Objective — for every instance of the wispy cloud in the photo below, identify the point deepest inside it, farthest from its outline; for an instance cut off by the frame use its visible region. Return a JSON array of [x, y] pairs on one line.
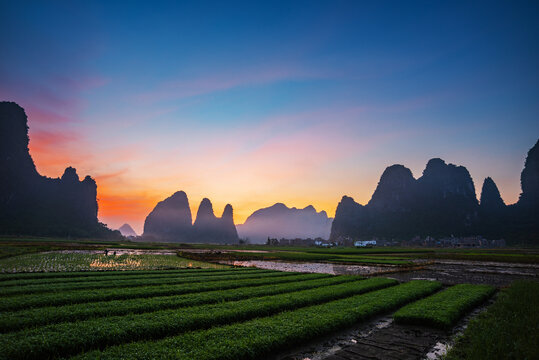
[[225, 80]]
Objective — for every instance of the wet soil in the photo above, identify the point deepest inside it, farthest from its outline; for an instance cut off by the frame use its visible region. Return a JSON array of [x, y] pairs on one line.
[[382, 339], [472, 272], [323, 268]]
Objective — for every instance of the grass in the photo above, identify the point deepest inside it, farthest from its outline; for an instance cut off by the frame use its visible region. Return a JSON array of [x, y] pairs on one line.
[[68, 262], [19, 302], [11, 321], [70, 338], [257, 338], [445, 308], [508, 329]]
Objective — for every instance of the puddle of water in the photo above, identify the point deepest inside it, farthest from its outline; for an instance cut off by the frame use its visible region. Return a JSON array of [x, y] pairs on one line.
[[439, 350], [321, 268]]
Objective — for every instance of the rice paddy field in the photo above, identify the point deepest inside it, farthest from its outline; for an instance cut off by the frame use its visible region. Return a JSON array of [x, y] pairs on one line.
[[73, 261], [88, 305], [185, 314]]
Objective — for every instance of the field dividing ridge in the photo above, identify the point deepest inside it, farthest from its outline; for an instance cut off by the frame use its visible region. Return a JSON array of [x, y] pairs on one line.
[[70, 338], [256, 338], [11, 321]]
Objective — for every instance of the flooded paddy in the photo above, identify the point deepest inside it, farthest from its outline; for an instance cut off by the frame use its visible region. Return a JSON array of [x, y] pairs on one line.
[[448, 272], [473, 272], [323, 268]]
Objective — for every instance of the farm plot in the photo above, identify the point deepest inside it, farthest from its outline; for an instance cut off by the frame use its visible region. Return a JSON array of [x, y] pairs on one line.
[[17, 302], [61, 262], [506, 330], [443, 309], [244, 314]]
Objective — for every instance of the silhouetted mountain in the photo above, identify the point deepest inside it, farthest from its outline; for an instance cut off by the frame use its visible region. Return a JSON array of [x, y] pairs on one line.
[[349, 219], [227, 224], [32, 204], [395, 189], [446, 200], [279, 221], [442, 202], [492, 211], [491, 200], [127, 230], [171, 220], [529, 179], [208, 228], [523, 218]]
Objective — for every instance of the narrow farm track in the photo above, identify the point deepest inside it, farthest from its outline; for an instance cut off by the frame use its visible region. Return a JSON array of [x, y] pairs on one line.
[[19, 302], [11, 321], [254, 339], [71, 338], [132, 282]]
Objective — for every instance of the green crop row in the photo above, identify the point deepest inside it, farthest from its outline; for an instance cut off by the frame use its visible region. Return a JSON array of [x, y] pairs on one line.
[[84, 296], [11, 321], [71, 338], [443, 309], [257, 338], [119, 275], [123, 283], [507, 330], [83, 274]]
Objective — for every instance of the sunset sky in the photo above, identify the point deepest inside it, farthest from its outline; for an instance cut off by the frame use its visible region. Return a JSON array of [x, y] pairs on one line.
[[254, 103]]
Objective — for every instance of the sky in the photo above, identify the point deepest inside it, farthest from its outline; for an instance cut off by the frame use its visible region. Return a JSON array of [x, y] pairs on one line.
[[253, 103]]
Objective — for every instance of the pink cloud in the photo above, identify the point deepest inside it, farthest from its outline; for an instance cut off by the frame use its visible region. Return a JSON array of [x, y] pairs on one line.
[[179, 89]]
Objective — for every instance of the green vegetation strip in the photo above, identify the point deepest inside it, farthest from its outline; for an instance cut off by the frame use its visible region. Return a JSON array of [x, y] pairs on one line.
[[84, 296], [443, 309], [257, 338], [509, 329], [122, 283], [119, 275], [84, 274], [71, 338], [17, 320]]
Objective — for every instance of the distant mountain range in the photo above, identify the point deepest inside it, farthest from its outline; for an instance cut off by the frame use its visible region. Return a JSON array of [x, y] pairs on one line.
[[279, 221], [127, 230], [171, 220], [442, 202], [32, 204]]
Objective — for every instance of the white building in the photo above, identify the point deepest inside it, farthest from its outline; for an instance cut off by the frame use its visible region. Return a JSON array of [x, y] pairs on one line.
[[363, 243]]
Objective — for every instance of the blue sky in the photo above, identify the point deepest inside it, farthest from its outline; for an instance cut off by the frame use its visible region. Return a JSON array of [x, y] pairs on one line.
[[254, 103]]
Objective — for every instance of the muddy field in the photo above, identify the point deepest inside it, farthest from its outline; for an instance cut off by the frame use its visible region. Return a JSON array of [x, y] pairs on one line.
[[448, 272], [457, 272], [382, 339]]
